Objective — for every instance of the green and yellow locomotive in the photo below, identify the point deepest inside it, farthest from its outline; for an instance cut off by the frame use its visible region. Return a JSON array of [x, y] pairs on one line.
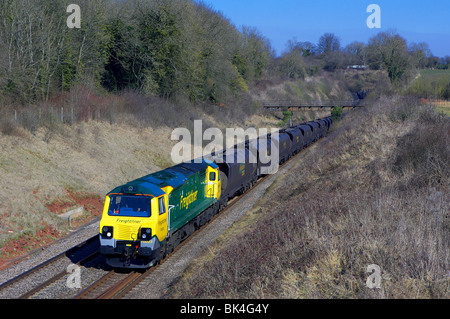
[[147, 218]]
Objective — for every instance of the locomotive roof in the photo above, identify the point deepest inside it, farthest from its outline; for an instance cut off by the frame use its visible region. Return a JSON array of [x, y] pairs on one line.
[[173, 176]]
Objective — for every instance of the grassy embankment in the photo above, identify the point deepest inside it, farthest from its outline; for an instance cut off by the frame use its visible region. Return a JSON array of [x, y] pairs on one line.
[[375, 191]]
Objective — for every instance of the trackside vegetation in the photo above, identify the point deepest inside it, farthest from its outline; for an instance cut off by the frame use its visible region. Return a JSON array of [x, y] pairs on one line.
[[336, 113]]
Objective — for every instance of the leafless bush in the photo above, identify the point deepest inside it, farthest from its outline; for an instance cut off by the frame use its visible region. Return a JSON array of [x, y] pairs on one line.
[[10, 128], [424, 153]]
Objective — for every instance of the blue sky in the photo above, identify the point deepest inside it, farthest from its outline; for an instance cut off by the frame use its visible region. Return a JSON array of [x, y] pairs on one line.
[[306, 20]]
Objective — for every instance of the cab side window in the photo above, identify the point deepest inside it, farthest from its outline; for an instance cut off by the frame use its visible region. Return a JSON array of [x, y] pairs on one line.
[[162, 207]]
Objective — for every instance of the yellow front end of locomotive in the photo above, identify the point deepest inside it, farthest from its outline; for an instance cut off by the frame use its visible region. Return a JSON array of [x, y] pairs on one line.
[[132, 226]]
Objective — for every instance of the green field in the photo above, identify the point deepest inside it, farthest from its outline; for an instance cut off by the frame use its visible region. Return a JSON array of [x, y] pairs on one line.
[[431, 84]]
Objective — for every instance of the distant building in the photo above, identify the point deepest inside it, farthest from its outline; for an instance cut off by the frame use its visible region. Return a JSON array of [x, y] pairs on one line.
[[357, 67]]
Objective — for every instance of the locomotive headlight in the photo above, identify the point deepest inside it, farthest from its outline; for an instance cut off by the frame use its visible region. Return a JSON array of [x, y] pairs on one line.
[[107, 232], [146, 233]]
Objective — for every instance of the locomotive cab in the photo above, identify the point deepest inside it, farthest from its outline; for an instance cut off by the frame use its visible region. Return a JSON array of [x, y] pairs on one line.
[[134, 223], [140, 219]]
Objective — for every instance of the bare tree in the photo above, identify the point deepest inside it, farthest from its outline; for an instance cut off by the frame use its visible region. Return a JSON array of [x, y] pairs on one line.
[[357, 52], [419, 52], [328, 43], [291, 63], [388, 50]]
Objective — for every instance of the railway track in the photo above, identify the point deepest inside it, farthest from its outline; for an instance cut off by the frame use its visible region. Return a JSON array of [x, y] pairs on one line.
[[110, 286], [34, 280]]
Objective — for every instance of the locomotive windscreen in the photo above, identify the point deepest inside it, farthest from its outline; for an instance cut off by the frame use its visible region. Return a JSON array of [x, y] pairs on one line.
[[129, 206]]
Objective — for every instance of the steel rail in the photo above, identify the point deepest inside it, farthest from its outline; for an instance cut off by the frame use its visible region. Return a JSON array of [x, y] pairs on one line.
[[47, 263]]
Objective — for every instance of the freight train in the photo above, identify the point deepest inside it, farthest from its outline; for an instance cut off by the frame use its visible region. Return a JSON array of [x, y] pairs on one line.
[[145, 219]]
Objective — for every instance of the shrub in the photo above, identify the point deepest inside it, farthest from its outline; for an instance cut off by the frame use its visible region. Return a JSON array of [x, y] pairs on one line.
[[446, 93], [424, 152], [336, 113], [9, 128]]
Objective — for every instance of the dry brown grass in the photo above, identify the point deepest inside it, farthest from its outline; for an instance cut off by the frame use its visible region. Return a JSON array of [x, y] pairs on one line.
[[350, 203]]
